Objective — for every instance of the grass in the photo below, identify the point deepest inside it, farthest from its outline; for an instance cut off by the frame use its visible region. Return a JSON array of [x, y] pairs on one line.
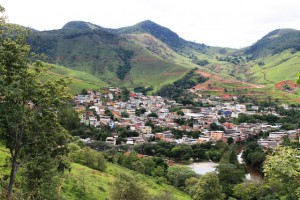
[[78, 80], [87, 184], [276, 68], [4, 154]]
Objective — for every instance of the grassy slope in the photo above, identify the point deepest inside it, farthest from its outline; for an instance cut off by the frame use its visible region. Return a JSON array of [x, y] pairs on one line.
[[278, 67], [98, 54], [87, 184], [154, 63], [4, 154], [79, 80], [97, 184]]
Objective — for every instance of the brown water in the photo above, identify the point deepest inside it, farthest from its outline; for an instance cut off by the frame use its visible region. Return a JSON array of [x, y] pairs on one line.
[[252, 173]]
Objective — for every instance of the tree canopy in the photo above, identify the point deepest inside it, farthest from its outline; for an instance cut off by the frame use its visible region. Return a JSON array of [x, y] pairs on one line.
[[29, 122]]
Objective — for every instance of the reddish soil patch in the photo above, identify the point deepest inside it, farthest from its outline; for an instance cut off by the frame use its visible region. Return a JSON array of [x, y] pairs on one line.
[[205, 74], [289, 83]]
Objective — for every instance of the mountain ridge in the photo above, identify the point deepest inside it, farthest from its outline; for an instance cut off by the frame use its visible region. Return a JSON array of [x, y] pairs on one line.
[[148, 54]]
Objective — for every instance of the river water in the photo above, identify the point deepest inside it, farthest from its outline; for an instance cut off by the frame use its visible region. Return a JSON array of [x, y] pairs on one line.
[[204, 167]]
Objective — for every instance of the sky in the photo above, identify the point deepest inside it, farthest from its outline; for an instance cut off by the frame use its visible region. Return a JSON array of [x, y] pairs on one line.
[[224, 23]]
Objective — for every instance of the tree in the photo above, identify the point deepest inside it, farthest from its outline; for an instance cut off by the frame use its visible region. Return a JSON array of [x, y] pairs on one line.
[[208, 187], [153, 115], [283, 167], [229, 175], [254, 155], [178, 174], [248, 190], [127, 188], [230, 140], [124, 114], [68, 118], [182, 151], [28, 110]]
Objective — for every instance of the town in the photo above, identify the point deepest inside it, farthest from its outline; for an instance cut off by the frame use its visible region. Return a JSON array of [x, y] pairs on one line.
[[141, 113]]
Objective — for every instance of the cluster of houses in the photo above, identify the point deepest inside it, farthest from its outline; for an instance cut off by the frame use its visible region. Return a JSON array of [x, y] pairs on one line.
[[93, 108]]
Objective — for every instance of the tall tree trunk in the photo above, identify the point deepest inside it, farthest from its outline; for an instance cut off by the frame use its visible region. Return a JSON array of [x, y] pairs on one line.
[[13, 173]]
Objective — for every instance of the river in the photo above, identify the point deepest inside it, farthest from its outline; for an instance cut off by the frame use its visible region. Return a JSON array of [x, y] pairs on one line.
[[204, 167], [252, 173]]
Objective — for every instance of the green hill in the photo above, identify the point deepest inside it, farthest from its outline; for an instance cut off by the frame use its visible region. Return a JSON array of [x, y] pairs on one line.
[[164, 34], [78, 80], [275, 42], [87, 184], [275, 57], [116, 59], [148, 54]]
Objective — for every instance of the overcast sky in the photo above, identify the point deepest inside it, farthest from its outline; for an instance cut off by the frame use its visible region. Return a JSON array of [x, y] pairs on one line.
[[225, 23]]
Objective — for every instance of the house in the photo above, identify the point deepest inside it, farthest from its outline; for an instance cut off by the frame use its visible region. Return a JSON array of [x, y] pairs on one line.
[[277, 135], [203, 139], [145, 129], [216, 135], [267, 143], [111, 140]]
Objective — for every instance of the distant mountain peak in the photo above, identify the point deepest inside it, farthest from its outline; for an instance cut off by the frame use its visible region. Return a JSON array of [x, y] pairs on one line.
[[274, 42], [81, 25], [145, 22], [279, 32]]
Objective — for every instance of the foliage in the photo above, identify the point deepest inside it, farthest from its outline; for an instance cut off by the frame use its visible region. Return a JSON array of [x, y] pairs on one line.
[[243, 118], [275, 42], [87, 184], [281, 170], [29, 122], [138, 112], [143, 90], [229, 175], [214, 127], [151, 166], [177, 175], [86, 156], [283, 167], [208, 187], [124, 114], [153, 115], [68, 118], [254, 155], [177, 89], [247, 190], [125, 56], [182, 152], [126, 188]]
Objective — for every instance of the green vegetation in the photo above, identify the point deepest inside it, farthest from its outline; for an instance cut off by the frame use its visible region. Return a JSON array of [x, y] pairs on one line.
[[281, 178], [125, 56], [86, 184], [275, 42], [29, 124], [179, 87], [208, 187]]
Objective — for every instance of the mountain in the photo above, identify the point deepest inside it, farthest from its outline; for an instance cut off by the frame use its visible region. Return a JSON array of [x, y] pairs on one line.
[[122, 56], [148, 54], [162, 33], [275, 42], [275, 62], [81, 25]]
